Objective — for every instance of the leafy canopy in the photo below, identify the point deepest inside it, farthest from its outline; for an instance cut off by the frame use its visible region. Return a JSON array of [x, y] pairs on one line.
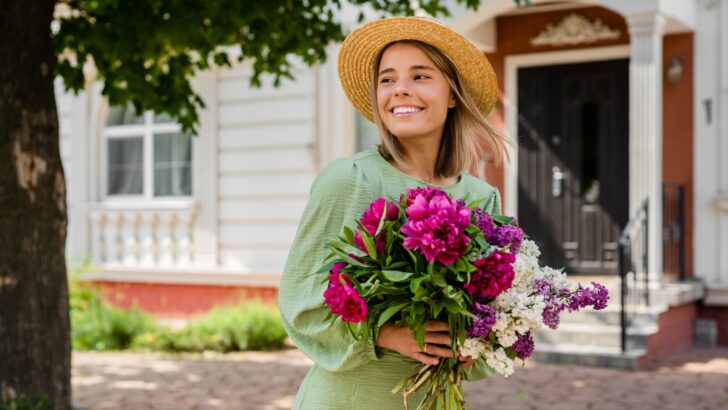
[[146, 51]]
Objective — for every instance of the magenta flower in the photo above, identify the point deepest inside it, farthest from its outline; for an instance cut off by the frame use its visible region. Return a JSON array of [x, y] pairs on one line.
[[427, 192], [370, 219], [342, 298], [436, 227], [494, 275]]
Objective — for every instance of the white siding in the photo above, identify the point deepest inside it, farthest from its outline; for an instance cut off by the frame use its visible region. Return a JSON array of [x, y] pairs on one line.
[[266, 163]]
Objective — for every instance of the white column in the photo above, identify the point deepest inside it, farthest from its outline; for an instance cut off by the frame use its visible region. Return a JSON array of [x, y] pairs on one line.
[[165, 238], [721, 111], [147, 243], [183, 238], [204, 173], [129, 238], [96, 244], [645, 112]]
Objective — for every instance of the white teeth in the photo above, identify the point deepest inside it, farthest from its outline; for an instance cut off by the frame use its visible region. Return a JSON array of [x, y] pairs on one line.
[[405, 110]]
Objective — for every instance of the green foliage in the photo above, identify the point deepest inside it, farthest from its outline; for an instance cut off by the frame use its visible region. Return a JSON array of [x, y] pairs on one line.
[[23, 403], [145, 52], [249, 326], [96, 325]]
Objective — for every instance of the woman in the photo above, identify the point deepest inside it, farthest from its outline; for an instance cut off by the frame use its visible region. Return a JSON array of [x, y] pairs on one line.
[[427, 89]]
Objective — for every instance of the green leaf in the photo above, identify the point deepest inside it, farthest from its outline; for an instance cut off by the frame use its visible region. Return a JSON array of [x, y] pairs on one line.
[[452, 306], [396, 275], [368, 241], [382, 219], [350, 249], [437, 309], [476, 203], [438, 279], [391, 311], [348, 234], [348, 259], [504, 220]]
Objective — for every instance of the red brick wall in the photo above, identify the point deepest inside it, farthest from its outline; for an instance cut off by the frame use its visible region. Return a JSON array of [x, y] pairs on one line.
[[180, 301], [677, 125], [675, 333], [720, 315]]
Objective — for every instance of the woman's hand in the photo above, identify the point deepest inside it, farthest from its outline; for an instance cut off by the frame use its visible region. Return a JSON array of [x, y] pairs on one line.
[[402, 340]]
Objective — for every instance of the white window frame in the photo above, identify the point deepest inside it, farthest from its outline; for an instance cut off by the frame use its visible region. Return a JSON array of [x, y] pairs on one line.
[[146, 131]]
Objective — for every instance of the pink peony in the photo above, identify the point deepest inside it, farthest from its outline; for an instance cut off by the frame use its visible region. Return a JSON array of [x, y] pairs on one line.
[[342, 298], [370, 219], [436, 227], [427, 192], [494, 275]]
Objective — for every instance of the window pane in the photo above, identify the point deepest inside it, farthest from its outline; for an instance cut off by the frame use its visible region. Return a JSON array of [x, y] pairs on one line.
[[126, 166], [119, 115], [367, 135], [172, 164], [161, 118]]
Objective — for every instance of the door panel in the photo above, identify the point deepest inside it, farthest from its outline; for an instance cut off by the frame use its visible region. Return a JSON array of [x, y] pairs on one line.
[[573, 162]]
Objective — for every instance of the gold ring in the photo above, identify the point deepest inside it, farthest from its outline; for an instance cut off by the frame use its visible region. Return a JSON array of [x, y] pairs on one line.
[[425, 349]]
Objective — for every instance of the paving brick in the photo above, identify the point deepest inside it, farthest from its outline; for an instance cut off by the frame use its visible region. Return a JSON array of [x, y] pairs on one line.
[[694, 379]]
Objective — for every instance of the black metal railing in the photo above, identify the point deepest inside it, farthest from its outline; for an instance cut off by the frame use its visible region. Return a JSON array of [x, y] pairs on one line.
[[634, 279], [673, 229]]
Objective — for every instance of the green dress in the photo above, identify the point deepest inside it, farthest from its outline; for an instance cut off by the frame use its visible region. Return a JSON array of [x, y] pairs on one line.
[[348, 374]]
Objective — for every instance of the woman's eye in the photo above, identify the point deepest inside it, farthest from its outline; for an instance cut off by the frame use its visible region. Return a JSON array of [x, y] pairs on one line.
[[385, 80], [421, 77]]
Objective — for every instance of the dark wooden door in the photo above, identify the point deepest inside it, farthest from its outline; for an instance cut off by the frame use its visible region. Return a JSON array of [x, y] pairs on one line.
[[573, 162]]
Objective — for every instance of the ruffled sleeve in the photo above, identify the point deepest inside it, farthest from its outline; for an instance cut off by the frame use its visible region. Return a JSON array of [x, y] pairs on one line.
[[338, 195]]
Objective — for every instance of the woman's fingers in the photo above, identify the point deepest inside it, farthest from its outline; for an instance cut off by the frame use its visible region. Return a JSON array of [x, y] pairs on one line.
[[436, 326], [434, 350], [426, 359], [437, 338]]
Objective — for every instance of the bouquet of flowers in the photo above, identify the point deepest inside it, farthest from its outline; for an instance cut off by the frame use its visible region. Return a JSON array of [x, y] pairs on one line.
[[429, 257]]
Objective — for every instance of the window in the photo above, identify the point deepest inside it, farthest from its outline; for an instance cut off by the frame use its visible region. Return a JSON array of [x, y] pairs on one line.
[[147, 156]]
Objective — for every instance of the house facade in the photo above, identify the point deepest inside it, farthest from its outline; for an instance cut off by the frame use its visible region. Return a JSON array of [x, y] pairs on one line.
[[618, 115]]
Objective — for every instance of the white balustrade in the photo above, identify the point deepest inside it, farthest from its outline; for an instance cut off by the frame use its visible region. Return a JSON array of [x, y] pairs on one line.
[[142, 236]]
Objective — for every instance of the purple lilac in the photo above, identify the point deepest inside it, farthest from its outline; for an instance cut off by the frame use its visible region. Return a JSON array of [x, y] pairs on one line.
[[554, 306], [524, 345], [596, 297], [484, 222], [507, 235], [484, 323]]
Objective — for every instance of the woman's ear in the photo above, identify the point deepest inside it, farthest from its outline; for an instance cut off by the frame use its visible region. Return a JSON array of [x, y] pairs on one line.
[[451, 103]]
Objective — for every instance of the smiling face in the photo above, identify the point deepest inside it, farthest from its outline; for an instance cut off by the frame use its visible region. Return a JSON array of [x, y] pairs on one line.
[[413, 95]]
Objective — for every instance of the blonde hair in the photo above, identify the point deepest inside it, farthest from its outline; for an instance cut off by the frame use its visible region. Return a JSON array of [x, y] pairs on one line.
[[465, 125]]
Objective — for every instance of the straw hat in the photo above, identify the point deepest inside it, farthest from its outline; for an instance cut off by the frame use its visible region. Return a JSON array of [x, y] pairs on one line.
[[360, 49]]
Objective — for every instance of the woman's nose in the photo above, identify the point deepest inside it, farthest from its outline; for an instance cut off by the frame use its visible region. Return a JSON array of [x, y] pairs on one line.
[[401, 88]]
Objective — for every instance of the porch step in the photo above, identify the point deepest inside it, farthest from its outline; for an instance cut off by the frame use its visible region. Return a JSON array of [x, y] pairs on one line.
[[594, 335], [588, 356]]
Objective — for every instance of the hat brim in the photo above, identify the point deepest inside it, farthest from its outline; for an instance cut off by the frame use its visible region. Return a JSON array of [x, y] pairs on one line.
[[360, 49]]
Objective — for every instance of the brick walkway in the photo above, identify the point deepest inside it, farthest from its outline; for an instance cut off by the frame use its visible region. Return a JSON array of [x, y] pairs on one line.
[[696, 379]]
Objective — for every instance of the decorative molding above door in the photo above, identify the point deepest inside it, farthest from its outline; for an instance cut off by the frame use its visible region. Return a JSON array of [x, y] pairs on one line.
[[575, 29]]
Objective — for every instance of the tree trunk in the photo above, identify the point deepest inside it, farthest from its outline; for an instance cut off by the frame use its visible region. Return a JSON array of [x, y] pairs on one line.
[[34, 320]]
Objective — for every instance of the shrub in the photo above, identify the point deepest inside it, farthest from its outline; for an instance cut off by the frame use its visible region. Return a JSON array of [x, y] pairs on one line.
[[247, 326], [97, 325]]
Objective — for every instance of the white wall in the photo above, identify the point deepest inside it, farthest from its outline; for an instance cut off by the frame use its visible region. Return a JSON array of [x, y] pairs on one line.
[[711, 143], [267, 160]]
